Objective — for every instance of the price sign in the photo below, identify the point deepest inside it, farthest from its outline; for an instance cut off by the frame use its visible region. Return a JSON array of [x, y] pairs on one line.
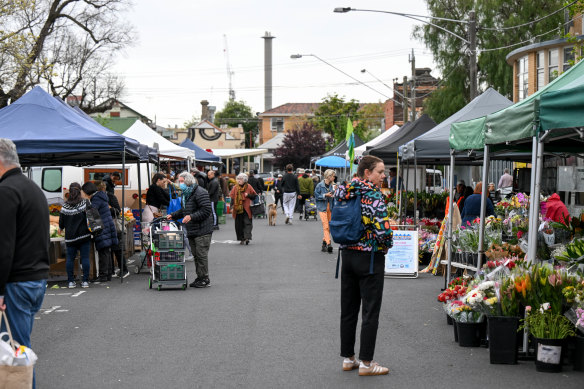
[[402, 259]]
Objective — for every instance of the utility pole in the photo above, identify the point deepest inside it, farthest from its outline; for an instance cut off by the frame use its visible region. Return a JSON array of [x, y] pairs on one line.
[[412, 60], [472, 40], [405, 103]]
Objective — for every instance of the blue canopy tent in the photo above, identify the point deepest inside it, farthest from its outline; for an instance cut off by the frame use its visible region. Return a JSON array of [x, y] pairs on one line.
[[332, 161], [201, 155], [48, 132]]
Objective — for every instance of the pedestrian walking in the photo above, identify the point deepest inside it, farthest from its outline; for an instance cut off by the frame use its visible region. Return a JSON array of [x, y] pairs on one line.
[[290, 190], [24, 246], [242, 194], [256, 183], [324, 196], [157, 197], [115, 211], [306, 185], [73, 220], [506, 182], [278, 194], [197, 217], [214, 193], [109, 236], [362, 273]]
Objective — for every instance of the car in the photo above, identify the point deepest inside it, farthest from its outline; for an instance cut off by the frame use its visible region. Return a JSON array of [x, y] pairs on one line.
[[268, 178]]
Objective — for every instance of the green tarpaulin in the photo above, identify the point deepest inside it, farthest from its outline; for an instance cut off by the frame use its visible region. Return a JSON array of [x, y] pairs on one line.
[[517, 122], [563, 108]]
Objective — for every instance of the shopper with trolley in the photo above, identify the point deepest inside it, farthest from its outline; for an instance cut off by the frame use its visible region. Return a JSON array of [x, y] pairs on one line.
[[197, 217]]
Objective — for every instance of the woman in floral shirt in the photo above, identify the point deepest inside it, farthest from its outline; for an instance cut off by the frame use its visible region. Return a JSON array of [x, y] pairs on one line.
[[362, 273]]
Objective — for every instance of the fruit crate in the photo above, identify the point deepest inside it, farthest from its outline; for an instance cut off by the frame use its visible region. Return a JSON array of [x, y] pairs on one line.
[[169, 256], [170, 272]]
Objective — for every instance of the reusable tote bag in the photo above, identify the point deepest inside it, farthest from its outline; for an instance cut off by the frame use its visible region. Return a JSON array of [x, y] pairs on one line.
[[13, 375], [175, 202]]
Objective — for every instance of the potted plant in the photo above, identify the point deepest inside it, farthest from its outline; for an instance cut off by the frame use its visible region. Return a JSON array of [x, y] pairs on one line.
[[550, 330]]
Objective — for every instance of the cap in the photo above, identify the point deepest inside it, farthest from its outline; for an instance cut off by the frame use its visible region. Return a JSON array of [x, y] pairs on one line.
[[300, 171], [279, 175]]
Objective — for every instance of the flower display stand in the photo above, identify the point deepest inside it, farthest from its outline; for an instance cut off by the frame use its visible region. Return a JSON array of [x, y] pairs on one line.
[[548, 355], [469, 334], [503, 339]]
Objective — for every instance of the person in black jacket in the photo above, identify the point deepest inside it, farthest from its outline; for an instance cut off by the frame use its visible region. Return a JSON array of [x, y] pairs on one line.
[[278, 192], [115, 211], [157, 197], [24, 245], [256, 183], [108, 237], [198, 219], [77, 237], [291, 191], [214, 193]]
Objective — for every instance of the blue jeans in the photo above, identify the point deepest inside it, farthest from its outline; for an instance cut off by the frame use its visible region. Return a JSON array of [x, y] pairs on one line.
[[83, 249], [23, 300]]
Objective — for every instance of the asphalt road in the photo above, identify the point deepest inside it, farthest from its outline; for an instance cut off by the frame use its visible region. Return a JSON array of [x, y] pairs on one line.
[[270, 320]]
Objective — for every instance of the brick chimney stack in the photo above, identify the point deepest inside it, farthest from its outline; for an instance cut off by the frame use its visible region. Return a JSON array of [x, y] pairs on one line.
[[205, 110]]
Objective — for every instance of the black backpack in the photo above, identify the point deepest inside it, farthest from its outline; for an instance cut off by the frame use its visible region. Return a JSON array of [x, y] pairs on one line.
[[94, 222]]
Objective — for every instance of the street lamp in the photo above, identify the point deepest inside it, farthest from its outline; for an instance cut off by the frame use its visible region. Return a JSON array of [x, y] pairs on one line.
[[471, 31]]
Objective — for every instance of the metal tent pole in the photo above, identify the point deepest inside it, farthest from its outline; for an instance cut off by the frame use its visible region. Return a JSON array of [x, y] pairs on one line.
[[415, 189], [406, 190], [139, 201], [531, 249], [123, 207], [450, 219], [533, 231], [483, 207], [397, 188]]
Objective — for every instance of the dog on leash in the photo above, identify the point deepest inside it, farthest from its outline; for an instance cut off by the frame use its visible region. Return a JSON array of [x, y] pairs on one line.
[[272, 213]]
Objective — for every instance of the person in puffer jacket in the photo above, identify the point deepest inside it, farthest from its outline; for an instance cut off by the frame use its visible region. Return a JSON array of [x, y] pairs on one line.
[[363, 267], [197, 217], [109, 236]]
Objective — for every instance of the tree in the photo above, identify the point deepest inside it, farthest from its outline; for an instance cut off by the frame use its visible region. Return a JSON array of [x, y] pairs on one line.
[[331, 117], [235, 113], [67, 44], [493, 43], [298, 146]]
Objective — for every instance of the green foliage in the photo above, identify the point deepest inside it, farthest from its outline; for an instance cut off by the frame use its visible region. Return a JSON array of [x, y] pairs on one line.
[[493, 70], [298, 146], [235, 113], [331, 117]]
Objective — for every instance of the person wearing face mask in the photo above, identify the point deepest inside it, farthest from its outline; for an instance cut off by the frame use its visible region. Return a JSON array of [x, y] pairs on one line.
[[157, 196], [197, 217]]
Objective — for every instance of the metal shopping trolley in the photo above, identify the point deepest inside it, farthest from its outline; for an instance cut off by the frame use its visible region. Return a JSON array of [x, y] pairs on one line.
[[166, 254]]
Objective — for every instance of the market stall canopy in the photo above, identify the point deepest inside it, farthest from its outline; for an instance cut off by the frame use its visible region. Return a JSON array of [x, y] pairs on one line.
[[236, 153], [377, 140], [341, 149], [387, 150], [434, 147], [48, 132], [332, 161], [201, 155], [517, 122], [563, 108], [148, 136]]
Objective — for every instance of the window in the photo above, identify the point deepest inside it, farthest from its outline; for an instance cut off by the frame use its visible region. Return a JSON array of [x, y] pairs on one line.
[[540, 70], [568, 57], [278, 124], [97, 175], [523, 78], [553, 63], [51, 180]]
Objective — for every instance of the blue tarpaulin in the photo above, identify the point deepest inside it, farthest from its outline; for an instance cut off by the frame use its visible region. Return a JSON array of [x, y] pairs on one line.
[[200, 153], [46, 131]]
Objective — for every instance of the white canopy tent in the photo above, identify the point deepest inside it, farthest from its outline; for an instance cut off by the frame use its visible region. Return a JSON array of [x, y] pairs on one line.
[[145, 135], [384, 135], [229, 154]]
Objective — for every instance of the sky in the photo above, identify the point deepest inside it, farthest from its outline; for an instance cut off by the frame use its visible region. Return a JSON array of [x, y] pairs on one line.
[[179, 57]]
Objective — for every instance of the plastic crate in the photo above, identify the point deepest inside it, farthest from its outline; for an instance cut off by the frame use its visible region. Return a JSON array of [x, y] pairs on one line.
[[165, 240], [170, 272], [170, 256]]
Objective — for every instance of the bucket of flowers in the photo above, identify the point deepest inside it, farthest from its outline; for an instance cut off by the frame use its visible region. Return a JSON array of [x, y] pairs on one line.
[[574, 297], [469, 320], [550, 331]]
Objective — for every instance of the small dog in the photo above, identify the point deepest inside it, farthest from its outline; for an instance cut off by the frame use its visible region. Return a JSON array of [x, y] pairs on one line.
[[272, 213]]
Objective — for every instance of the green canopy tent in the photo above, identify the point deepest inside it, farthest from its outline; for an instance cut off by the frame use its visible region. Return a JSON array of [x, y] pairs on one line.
[[515, 127]]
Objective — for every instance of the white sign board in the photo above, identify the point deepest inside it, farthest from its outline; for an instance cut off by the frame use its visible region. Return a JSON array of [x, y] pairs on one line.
[[402, 259]]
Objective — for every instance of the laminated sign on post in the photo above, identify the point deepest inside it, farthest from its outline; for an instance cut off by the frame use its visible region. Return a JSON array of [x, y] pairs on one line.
[[402, 259]]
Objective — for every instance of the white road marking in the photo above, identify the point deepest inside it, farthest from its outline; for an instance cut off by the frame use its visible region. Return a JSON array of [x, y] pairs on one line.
[[62, 310], [78, 293], [63, 294], [46, 312], [225, 241]]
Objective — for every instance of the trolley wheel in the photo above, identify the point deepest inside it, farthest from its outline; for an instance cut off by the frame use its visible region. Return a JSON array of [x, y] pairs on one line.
[[159, 288], [136, 269], [149, 282]]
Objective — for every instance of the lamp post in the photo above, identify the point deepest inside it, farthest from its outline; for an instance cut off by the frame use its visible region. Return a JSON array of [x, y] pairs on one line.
[[471, 32]]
